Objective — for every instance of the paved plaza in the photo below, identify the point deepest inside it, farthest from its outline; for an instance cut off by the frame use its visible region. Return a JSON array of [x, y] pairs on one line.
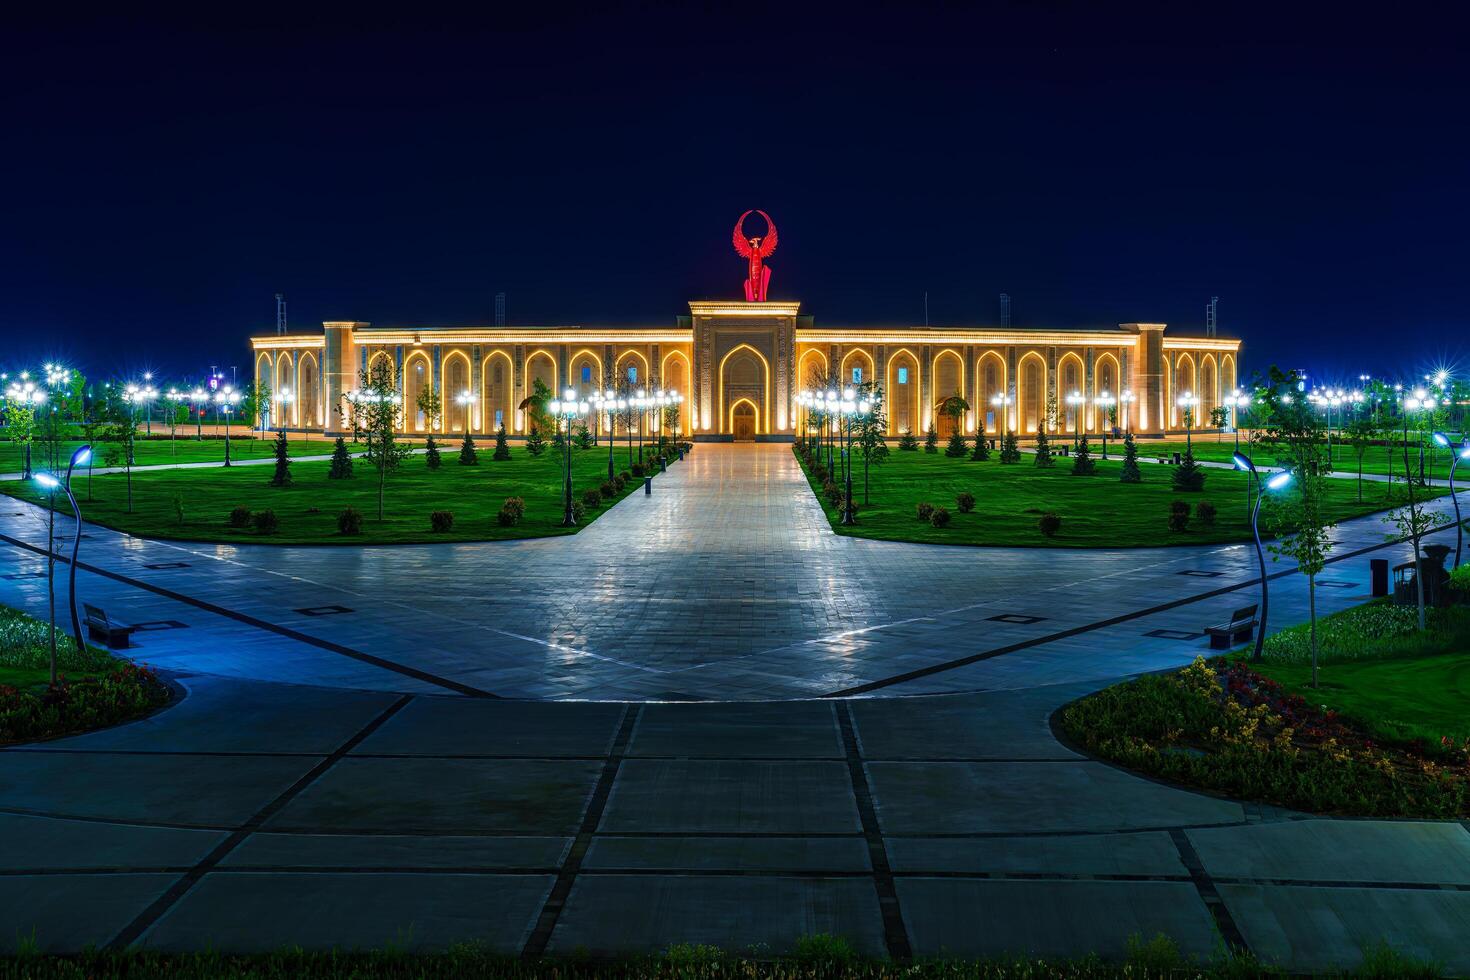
[[704, 718]]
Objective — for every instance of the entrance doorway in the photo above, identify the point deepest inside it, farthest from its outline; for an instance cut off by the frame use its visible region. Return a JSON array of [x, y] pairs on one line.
[[744, 422]]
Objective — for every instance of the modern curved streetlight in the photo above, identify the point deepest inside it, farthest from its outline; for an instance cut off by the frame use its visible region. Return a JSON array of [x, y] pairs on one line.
[[1276, 482], [1463, 452], [49, 481], [566, 409]]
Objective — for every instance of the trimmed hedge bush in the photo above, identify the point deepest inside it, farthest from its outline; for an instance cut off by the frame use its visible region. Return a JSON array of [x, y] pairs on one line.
[[240, 517], [1049, 524], [349, 521], [940, 517], [925, 511], [592, 498], [266, 522], [441, 521], [1204, 512], [965, 502], [1179, 515]]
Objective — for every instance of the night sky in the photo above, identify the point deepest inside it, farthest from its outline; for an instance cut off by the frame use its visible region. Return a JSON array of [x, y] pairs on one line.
[[165, 179]]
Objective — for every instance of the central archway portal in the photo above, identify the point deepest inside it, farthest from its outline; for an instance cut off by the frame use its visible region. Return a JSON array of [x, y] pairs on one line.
[[742, 421]]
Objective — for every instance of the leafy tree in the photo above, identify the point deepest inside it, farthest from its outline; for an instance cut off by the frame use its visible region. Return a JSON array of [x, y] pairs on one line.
[[956, 448], [955, 407], [20, 426], [341, 461], [1298, 517], [431, 404], [1083, 464], [432, 458], [467, 454], [1189, 476], [534, 405], [255, 405], [1360, 434], [981, 452], [502, 448], [282, 475], [869, 434], [1010, 448], [122, 429], [535, 445], [376, 421], [1219, 415], [931, 440], [1131, 473], [1043, 447], [671, 421], [175, 414]]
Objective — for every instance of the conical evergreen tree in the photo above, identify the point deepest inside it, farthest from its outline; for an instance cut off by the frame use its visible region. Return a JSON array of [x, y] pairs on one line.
[[341, 462], [1190, 476], [1043, 447], [535, 445], [282, 476], [1010, 448], [502, 448], [467, 454], [907, 442], [956, 446], [931, 441], [1131, 473], [981, 452], [431, 455], [584, 437], [1083, 463]]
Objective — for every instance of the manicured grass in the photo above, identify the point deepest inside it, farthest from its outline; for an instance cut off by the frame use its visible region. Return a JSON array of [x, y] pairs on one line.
[[163, 451], [1344, 457], [1399, 700], [1097, 511], [308, 509]]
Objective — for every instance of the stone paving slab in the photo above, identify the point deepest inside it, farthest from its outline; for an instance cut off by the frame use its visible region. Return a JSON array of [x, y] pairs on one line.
[[1000, 797], [770, 730], [1011, 726], [443, 796], [963, 917], [1317, 929], [644, 913], [354, 851], [252, 912], [797, 855], [194, 790], [447, 726], [722, 797], [1148, 854], [1338, 850], [45, 908], [48, 843]]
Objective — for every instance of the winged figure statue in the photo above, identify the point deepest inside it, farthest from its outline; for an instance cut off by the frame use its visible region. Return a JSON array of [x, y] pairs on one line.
[[756, 251]]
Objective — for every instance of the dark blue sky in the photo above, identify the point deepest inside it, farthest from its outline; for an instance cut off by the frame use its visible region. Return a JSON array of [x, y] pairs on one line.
[[1099, 163]]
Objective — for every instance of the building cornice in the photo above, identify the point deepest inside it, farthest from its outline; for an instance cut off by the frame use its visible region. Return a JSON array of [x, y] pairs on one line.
[[960, 335], [1202, 343], [727, 308]]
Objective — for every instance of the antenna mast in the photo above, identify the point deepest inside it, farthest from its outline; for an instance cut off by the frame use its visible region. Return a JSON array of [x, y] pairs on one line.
[[1212, 318], [280, 313], [1005, 311], [500, 309]]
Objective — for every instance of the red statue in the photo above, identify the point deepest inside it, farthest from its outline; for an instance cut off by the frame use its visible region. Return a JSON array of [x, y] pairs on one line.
[[756, 250]]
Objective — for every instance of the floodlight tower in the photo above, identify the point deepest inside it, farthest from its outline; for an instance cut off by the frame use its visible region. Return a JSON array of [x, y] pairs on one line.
[[1212, 316], [1005, 311], [280, 313], [500, 309]]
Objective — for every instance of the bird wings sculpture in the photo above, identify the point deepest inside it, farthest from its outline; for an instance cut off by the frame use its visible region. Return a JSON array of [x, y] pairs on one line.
[[756, 251]]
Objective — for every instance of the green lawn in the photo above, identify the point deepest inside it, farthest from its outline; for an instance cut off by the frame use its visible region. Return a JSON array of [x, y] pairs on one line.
[[162, 451], [308, 509], [25, 651], [1096, 511], [1397, 700], [1345, 458]]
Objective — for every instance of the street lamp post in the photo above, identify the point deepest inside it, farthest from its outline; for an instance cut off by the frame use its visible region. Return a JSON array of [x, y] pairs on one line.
[[81, 455], [1002, 402], [1105, 401], [1187, 402], [1126, 399], [1075, 401], [225, 401], [1418, 400], [564, 410], [25, 392], [1276, 482], [1457, 453]]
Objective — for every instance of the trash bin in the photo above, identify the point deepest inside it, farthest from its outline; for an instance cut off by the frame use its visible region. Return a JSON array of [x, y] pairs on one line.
[[1378, 568], [648, 486]]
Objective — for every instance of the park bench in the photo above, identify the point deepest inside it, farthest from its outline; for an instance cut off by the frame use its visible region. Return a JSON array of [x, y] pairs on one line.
[[1240, 629], [99, 627]]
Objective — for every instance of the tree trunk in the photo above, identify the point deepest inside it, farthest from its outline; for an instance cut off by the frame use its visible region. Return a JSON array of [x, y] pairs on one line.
[[51, 579], [1312, 611], [1419, 581], [382, 479]]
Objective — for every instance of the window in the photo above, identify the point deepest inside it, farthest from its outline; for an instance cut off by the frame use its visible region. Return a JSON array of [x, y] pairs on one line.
[[586, 373], [857, 375], [633, 374], [903, 375], [499, 418]]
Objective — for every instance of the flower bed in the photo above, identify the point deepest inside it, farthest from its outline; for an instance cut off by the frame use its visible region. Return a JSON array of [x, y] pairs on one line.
[[1219, 725]]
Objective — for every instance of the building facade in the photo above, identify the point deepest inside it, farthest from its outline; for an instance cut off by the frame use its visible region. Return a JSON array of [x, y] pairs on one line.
[[740, 366]]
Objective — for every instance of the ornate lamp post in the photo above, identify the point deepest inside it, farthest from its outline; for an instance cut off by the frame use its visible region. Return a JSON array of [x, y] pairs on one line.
[[1237, 400], [1418, 401], [565, 410], [851, 408], [1126, 398], [47, 480], [1276, 482], [1105, 401], [1187, 402], [1457, 453], [1075, 401], [225, 400], [199, 398]]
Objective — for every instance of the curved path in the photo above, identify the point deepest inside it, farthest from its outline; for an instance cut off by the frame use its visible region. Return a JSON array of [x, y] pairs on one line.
[[327, 783]]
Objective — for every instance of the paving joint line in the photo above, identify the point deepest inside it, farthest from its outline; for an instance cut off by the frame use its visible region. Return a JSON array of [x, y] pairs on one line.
[[895, 933], [176, 892], [1208, 893], [561, 889]]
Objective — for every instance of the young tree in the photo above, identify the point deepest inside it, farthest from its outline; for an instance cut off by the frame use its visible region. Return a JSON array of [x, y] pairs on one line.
[[175, 414], [1190, 476], [377, 421], [535, 445], [1131, 473], [1360, 433], [534, 405], [20, 426], [981, 452], [502, 448], [341, 461], [1219, 415], [906, 441], [432, 459], [584, 434], [955, 408], [431, 403], [282, 476], [1298, 518], [1010, 448], [870, 431], [1043, 447], [122, 430], [956, 447], [1083, 464], [255, 405], [931, 440], [468, 456]]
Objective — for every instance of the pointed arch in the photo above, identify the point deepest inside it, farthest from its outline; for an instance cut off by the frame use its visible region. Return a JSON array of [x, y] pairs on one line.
[[812, 368], [903, 398], [1166, 418], [990, 381], [676, 375], [454, 370], [265, 374], [848, 364], [620, 368], [285, 393], [763, 412], [730, 416], [947, 374], [1107, 379], [1071, 380], [384, 358], [418, 377], [308, 388], [1228, 379], [497, 392], [1209, 385], [1185, 383], [1031, 375]]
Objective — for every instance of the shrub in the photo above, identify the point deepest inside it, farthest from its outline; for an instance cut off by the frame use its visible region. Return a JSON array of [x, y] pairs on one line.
[[507, 516], [940, 517], [578, 511], [1204, 512], [178, 501], [341, 461], [240, 517], [1049, 524], [349, 521], [619, 483], [516, 504], [1459, 583], [609, 490], [637, 469], [965, 502], [441, 521], [1179, 516], [432, 459], [625, 476], [956, 447], [925, 512], [266, 522], [907, 442], [592, 498]]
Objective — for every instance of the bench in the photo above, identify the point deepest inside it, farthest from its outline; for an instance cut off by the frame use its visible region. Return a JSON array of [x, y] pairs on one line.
[[1240, 629], [99, 627]]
